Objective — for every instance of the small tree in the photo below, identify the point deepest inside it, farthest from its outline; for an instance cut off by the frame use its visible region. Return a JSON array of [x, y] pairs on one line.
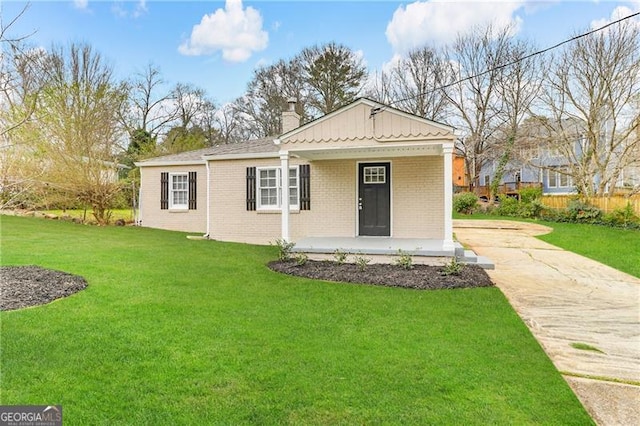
[[76, 127]]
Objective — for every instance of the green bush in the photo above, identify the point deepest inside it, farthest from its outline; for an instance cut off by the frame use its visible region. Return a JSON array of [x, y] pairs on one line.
[[361, 262], [465, 202], [404, 260], [529, 195], [509, 206], [284, 249], [580, 211], [452, 268], [625, 217], [531, 209]]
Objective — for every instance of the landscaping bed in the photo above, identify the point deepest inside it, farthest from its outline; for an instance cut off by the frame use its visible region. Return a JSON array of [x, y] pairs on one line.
[[422, 277], [24, 286]]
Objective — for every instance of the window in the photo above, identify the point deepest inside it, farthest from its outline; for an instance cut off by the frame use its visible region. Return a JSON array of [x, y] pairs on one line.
[[178, 191], [559, 178], [269, 188], [487, 180], [375, 174]]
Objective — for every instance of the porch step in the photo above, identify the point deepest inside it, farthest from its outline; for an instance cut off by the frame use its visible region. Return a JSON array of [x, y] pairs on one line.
[[471, 258]]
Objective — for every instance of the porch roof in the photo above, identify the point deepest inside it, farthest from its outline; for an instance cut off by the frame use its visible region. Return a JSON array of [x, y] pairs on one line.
[[354, 152]]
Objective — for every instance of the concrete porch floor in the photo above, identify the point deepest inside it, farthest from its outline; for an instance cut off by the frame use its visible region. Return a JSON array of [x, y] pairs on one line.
[[373, 245], [382, 249]]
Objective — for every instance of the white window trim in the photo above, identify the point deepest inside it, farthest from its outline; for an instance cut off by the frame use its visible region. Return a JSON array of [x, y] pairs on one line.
[[558, 177], [173, 206], [278, 207]]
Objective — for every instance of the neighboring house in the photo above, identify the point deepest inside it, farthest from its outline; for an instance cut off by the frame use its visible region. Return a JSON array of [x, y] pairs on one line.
[[534, 162], [460, 183], [363, 171]]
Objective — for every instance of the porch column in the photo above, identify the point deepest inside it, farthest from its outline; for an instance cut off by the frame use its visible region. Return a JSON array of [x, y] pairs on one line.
[[447, 154], [284, 202]]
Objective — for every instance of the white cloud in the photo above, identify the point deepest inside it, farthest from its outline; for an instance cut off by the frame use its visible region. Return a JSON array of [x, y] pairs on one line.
[[81, 4], [120, 10], [438, 22], [619, 13], [234, 30]]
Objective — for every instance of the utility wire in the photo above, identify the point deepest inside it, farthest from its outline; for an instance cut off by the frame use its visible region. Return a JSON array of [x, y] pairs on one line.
[[539, 52]]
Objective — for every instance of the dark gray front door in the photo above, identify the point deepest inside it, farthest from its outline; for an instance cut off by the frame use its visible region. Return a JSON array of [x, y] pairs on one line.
[[374, 199]]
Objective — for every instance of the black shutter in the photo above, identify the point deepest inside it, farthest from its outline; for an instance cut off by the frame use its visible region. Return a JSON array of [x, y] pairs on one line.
[[192, 190], [305, 187], [164, 191], [251, 188]]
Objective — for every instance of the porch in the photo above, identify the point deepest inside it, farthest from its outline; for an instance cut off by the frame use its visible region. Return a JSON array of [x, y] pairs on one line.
[[375, 246], [511, 189], [383, 249]]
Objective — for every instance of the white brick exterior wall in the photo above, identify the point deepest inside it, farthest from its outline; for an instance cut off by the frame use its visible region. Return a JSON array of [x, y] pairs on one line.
[[417, 197], [183, 220]]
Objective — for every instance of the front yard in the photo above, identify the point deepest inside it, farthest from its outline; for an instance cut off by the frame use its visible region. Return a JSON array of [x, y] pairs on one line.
[[177, 331]]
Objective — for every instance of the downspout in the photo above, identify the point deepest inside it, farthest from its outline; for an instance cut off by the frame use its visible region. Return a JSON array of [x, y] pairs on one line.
[[208, 234], [138, 219]]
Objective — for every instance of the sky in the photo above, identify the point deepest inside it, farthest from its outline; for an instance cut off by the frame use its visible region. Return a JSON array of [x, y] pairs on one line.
[[216, 45]]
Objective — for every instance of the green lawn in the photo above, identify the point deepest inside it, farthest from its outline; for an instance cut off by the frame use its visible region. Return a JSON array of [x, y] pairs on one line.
[[178, 331], [618, 248]]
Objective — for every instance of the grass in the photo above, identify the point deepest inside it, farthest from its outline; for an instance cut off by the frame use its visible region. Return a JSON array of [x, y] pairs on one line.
[[176, 331], [585, 347], [616, 247]]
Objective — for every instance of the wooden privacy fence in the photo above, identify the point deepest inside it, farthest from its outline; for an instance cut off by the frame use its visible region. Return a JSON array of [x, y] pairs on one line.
[[606, 204]]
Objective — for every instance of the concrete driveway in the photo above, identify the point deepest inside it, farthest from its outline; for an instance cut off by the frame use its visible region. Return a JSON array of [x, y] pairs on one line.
[[568, 299]]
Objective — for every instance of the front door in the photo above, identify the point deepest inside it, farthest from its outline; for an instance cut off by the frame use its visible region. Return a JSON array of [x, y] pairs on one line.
[[374, 199]]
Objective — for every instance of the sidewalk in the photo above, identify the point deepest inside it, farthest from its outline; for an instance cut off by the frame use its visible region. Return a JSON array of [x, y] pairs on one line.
[[566, 299]]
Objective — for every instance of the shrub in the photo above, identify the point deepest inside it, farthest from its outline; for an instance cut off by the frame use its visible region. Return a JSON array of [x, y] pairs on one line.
[[465, 202], [340, 256], [580, 211], [284, 249], [530, 195], [452, 268], [404, 260], [362, 262], [509, 206], [531, 209], [300, 258], [624, 216]]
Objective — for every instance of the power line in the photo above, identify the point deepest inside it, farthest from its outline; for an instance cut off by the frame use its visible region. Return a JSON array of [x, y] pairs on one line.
[[539, 52]]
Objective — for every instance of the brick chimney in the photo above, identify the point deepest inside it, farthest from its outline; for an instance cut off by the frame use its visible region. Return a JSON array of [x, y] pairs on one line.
[[290, 118]]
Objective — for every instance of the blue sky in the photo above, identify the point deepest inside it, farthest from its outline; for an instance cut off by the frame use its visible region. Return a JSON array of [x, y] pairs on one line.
[[217, 44]]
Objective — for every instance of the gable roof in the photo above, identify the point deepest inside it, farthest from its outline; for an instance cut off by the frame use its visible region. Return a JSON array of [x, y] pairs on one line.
[[393, 123]]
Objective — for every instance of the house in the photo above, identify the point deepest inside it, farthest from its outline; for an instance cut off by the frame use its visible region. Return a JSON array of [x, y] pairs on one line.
[[366, 176], [535, 161], [460, 183]]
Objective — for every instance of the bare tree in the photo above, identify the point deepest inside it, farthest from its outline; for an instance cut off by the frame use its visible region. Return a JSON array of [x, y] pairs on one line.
[[21, 79], [416, 81], [518, 87], [591, 87], [475, 59], [76, 127], [259, 111], [149, 108]]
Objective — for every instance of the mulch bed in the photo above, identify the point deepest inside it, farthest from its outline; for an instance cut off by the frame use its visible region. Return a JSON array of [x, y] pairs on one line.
[[24, 286], [421, 277]]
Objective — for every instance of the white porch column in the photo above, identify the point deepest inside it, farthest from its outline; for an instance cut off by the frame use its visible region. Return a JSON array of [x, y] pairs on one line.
[[284, 202], [447, 154]]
